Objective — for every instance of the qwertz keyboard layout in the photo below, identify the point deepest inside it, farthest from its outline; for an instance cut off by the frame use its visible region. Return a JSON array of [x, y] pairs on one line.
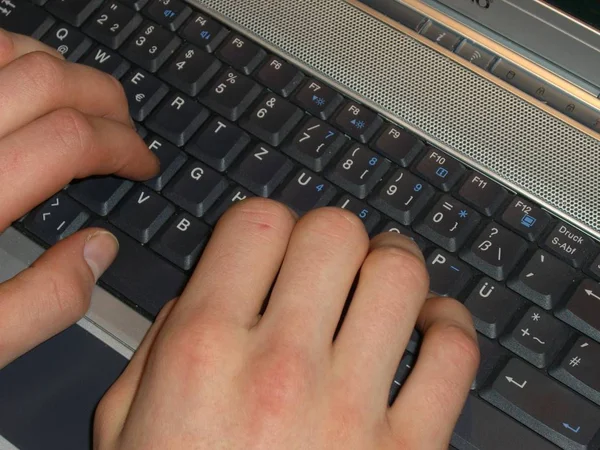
[[228, 121]]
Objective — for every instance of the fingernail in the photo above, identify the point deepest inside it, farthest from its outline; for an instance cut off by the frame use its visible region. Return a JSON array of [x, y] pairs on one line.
[[100, 251]]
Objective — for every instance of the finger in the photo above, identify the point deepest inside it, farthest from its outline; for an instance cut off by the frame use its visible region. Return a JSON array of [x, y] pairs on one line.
[[392, 288], [238, 266], [113, 409], [13, 46], [37, 83], [53, 293], [437, 388], [41, 158], [325, 252]]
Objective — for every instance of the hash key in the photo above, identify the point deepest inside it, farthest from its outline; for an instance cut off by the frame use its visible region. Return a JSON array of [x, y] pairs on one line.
[[178, 118], [358, 122], [440, 169], [231, 94], [191, 69], [482, 193], [74, 12], [318, 99], [537, 338], [68, 41], [182, 240], [369, 216], [543, 280], [448, 224], [582, 310], [241, 54], [448, 276], [262, 170], [359, 170], [496, 251], [279, 76], [150, 46], [56, 219], [24, 18], [525, 218], [204, 32], [168, 13], [306, 191], [142, 214], [144, 92], [272, 119]]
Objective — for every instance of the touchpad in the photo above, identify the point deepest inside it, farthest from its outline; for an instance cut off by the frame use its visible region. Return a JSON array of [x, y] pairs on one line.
[[48, 396]]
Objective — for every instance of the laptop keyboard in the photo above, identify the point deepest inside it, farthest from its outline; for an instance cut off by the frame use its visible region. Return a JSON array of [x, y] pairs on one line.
[[229, 121]]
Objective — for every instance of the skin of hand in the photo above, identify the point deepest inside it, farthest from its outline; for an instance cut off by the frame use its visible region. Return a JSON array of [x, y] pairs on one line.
[[53, 129], [214, 373]]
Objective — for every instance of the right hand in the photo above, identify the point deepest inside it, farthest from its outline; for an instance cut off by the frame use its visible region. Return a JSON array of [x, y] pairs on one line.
[[58, 121]]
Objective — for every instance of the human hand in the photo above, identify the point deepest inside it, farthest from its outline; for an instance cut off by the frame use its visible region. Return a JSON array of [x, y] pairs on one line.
[[58, 121], [214, 374]]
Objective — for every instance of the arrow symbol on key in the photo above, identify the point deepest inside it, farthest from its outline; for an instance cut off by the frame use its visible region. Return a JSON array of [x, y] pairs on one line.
[[591, 293], [44, 216], [512, 380], [56, 203], [569, 427]]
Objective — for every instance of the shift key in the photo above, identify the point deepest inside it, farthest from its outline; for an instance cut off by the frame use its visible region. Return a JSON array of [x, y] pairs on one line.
[[546, 406]]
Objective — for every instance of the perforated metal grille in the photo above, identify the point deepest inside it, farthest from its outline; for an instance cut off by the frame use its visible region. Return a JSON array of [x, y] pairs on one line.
[[488, 125]]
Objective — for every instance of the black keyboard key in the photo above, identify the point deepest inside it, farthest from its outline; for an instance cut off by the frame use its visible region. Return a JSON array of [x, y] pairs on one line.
[[525, 218], [56, 219], [318, 99], [594, 268], [142, 214], [537, 338], [191, 69], [543, 280], [195, 188], [582, 311], [570, 244], [169, 13], [358, 122], [315, 144], [482, 194], [141, 131], [236, 194], [493, 307], [369, 216], [279, 76], [262, 170], [395, 227], [171, 160], [107, 61], [218, 144], [523, 393], [402, 373], [272, 119], [144, 92], [112, 24], [580, 369], [231, 94], [150, 46], [134, 4], [74, 12], [204, 32], [448, 224], [439, 169], [448, 276], [241, 54], [483, 427], [492, 355], [359, 170], [182, 240], [68, 41], [398, 145], [100, 194], [306, 191], [178, 118], [24, 18], [403, 196], [141, 276], [496, 251]]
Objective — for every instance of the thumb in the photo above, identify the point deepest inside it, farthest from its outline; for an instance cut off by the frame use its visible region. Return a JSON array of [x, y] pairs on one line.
[[54, 292]]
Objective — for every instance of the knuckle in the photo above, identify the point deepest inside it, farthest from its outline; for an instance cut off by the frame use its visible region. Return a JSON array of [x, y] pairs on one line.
[[396, 265], [459, 345], [336, 223], [261, 213], [7, 47], [44, 71], [72, 129]]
